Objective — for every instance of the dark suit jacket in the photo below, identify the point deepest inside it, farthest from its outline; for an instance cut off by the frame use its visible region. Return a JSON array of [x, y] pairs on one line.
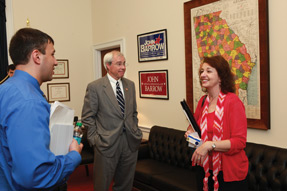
[[4, 79], [102, 117]]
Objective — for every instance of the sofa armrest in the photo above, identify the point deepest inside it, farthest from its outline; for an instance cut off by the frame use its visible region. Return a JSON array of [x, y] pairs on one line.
[[143, 151]]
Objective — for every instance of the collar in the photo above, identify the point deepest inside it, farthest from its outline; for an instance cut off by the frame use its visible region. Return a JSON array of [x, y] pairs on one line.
[[22, 75], [112, 80]]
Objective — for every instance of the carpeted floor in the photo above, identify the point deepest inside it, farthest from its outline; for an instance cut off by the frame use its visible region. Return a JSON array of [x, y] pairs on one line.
[[79, 181]]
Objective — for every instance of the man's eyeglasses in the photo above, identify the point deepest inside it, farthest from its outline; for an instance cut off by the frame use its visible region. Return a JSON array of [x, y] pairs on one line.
[[119, 64]]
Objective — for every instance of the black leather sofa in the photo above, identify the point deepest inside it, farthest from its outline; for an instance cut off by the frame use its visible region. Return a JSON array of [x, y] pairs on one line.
[[164, 164]]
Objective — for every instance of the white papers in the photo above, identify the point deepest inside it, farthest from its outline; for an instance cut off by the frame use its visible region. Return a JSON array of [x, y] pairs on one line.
[[61, 114], [61, 128], [61, 138]]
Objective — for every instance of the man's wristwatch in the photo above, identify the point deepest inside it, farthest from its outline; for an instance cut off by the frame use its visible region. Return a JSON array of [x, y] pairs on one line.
[[213, 146]]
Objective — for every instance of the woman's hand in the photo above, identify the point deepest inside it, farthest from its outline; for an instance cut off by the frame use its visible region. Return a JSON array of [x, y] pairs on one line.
[[200, 153], [188, 131]]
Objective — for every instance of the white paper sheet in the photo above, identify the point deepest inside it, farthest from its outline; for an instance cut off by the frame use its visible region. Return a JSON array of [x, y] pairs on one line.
[[61, 128], [61, 138], [61, 114]]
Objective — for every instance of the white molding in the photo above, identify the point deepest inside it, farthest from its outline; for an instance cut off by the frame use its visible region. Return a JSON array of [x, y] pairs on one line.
[[103, 46], [145, 129]]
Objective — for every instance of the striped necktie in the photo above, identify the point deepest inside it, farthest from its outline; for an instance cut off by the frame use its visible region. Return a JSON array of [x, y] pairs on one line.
[[120, 98]]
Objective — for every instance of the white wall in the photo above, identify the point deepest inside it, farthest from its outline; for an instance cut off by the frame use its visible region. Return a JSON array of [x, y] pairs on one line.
[[70, 25], [77, 25], [278, 88]]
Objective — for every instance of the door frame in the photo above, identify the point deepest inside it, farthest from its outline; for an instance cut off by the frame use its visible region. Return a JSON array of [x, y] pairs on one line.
[[9, 25], [97, 62]]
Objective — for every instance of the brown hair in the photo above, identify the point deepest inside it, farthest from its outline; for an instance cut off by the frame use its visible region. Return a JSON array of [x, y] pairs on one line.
[[223, 69], [25, 41]]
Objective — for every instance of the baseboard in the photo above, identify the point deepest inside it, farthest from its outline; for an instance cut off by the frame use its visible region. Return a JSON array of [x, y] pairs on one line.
[[145, 129]]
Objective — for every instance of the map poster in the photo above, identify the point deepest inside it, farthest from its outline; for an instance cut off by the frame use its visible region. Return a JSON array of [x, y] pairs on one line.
[[152, 46], [231, 28], [153, 84]]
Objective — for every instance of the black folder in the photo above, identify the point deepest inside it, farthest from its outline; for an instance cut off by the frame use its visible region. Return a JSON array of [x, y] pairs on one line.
[[190, 117]]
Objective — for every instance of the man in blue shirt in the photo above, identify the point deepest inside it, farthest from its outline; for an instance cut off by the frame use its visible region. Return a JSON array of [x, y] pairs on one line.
[[26, 162]]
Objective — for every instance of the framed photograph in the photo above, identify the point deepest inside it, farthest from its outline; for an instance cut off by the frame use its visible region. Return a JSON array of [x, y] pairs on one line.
[[238, 31], [62, 69], [153, 84], [58, 92], [152, 46]]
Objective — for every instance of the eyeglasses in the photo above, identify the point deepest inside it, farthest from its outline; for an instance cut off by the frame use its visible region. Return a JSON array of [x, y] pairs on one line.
[[119, 64]]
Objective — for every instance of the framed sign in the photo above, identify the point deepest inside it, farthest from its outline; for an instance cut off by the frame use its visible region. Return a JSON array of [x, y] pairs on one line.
[[238, 31], [58, 92], [152, 46], [62, 69], [153, 84]]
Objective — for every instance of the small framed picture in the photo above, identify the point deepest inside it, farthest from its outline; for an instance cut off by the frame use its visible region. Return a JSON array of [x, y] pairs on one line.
[[153, 84], [62, 69], [152, 46], [58, 92]]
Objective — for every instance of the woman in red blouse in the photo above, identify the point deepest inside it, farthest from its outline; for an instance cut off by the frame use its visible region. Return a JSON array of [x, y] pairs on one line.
[[222, 120]]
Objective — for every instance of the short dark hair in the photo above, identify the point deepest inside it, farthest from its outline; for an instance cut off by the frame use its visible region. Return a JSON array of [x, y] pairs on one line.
[[25, 41], [11, 67], [224, 72]]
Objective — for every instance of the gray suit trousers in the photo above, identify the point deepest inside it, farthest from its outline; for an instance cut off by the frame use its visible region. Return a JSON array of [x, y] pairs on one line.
[[120, 168]]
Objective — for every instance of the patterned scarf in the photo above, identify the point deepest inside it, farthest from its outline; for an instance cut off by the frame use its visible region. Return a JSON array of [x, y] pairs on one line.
[[217, 135]]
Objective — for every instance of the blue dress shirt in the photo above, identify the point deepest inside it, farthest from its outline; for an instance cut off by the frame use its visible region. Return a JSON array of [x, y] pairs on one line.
[[26, 162]]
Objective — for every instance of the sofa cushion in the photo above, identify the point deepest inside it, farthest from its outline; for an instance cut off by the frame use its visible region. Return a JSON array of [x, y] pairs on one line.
[[178, 179], [145, 169], [267, 167], [169, 146], [164, 176]]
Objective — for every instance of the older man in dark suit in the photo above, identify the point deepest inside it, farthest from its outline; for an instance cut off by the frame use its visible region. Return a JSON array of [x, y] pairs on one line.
[[110, 116]]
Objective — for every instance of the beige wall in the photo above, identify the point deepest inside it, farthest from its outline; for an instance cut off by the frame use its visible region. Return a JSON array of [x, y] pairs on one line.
[[70, 25], [103, 21], [128, 19]]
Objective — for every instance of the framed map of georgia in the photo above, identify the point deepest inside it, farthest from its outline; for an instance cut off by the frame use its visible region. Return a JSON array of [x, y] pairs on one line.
[[238, 31]]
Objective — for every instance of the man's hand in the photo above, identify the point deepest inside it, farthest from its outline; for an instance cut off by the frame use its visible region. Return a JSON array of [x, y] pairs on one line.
[[74, 146]]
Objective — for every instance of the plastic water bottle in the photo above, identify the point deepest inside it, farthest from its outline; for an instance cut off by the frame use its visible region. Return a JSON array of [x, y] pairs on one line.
[[78, 133]]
